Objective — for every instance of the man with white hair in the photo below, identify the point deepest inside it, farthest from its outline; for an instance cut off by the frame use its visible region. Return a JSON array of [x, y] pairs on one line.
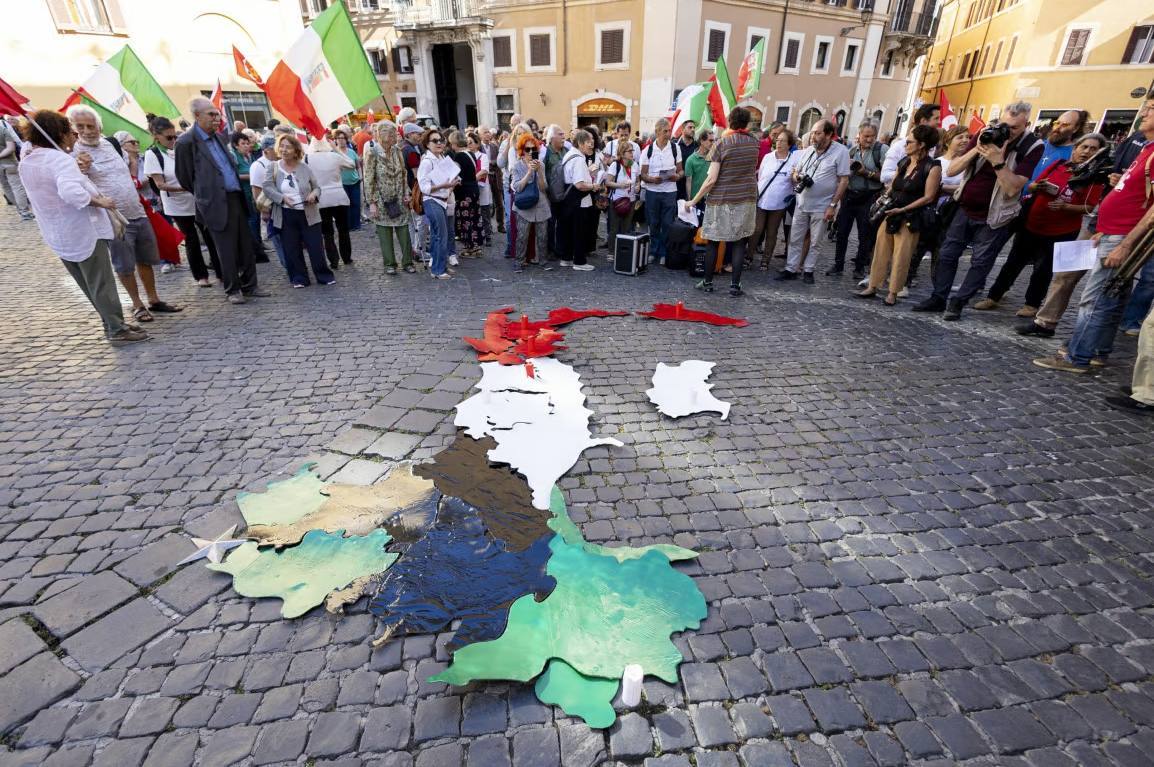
[[137, 252], [996, 171], [406, 116], [204, 166]]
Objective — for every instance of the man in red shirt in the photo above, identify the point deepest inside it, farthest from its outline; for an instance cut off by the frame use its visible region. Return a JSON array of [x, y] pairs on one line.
[[1123, 218], [362, 137]]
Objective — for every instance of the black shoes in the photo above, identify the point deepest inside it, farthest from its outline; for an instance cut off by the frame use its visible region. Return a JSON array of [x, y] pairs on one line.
[[735, 291], [858, 274], [785, 275], [807, 278], [1032, 328], [953, 311], [1129, 404], [931, 304], [834, 272]]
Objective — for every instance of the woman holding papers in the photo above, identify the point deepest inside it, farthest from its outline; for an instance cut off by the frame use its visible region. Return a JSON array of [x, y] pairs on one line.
[[1053, 214], [437, 176]]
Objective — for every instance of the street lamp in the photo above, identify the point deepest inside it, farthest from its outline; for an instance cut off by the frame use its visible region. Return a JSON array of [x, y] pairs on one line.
[[867, 12]]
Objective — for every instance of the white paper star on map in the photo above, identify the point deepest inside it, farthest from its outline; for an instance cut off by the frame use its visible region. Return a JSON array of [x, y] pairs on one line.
[[213, 550]]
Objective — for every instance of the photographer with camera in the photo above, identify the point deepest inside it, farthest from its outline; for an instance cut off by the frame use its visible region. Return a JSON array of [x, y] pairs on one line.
[[998, 164], [866, 160], [1124, 217], [820, 177]]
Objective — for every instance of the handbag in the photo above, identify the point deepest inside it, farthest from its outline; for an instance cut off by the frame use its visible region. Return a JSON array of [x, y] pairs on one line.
[[393, 209], [417, 200], [623, 206], [527, 197], [119, 223]]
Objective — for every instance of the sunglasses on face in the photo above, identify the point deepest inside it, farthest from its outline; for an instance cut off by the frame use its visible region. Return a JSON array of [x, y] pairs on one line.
[[436, 141], [168, 138]]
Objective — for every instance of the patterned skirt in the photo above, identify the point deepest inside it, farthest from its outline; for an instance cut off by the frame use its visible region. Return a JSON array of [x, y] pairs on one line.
[[729, 221], [470, 228]]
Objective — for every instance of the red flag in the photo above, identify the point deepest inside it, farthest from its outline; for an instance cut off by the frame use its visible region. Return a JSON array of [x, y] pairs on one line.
[[370, 118], [76, 97], [948, 118], [217, 97], [977, 125], [245, 69], [12, 102]]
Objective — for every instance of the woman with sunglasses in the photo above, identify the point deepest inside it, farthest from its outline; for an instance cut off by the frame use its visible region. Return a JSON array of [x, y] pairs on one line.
[[294, 192], [179, 205], [532, 223], [437, 176]]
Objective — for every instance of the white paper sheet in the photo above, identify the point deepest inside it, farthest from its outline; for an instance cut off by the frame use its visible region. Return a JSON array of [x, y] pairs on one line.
[[1075, 256], [445, 171], [687, 214]]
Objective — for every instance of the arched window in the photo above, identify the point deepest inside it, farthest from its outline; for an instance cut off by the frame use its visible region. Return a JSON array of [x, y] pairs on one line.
[[878, 115], [808, 118], [839, 118]]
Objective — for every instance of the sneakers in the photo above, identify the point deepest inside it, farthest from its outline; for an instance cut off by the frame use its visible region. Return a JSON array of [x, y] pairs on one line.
[[1098, 362], [986, 304], [904, 293], [807, 278], [329, 282], [953, 311], [704, 286], [1034, 329], [237, 298], [931, 304], [299, 286], [583, 267], [391, 271], [785, 275], [453, 261], [1061, 363], [566, 263], [445, 276], [1027, 311], [127, 336], [165, 268]]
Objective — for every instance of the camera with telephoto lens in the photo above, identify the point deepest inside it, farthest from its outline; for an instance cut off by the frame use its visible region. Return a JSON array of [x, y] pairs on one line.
[[1096, 170], [855, 166], [997, 135], [804, 181]]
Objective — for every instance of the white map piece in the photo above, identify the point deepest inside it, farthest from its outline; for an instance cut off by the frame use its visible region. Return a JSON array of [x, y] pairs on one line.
[[540, 424], [681, 390], [213, 550]]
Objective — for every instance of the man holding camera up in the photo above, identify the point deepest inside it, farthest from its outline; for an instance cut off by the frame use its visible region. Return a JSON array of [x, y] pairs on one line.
[[866, 160], [998, 163], [820, 177]]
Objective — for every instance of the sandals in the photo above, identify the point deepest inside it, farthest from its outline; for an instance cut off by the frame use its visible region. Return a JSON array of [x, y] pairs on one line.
[[865, 293], [161, 307], [141, 314], [890, 300]]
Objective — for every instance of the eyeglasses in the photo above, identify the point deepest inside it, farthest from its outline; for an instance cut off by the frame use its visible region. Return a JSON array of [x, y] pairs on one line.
[[130, 141], [436, 141], [168, 138]]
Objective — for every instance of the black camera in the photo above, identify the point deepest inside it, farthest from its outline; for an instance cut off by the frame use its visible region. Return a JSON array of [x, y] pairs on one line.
[[997, 135], [855, 166], [804, 182], [1096, 170]]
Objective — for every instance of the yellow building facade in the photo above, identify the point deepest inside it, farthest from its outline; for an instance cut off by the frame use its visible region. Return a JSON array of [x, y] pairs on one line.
[[1096, 55]]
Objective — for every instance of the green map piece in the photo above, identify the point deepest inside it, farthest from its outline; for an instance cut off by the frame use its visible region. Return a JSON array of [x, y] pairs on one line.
[[577, 695], [604, 614], [564, 527], [305, 574], [284, 502]]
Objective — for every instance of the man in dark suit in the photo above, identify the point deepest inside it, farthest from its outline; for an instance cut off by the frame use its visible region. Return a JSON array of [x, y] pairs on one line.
[[205, 167]]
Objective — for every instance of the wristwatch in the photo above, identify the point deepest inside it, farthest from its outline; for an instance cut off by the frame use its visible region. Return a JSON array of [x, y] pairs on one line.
[[999, 166]]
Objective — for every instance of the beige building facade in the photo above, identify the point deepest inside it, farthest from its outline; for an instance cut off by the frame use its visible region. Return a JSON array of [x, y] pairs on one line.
[[576, 62], [52, 46]]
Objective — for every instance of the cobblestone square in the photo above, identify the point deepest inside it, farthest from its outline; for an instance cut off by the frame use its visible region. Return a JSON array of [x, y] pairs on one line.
[[916, 547]]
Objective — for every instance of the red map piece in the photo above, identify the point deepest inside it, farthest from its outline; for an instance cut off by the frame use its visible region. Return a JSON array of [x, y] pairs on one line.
[[679, 313], [565, 315]]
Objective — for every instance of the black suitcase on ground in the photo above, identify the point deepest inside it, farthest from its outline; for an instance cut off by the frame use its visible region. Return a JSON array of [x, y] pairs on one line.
[[679, 245], [631, 254]]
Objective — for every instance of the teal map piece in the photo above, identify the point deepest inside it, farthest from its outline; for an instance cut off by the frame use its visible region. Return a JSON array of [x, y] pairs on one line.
[[284, 502], [611, 607], [564, 527], [587, 697], [305, 574]]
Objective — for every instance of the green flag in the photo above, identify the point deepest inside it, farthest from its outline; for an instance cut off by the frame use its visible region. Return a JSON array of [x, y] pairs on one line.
[[721, 98], [113, 122], [749, 75]]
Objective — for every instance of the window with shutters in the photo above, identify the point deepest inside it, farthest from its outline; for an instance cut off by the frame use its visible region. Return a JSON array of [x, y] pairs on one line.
[[611, 41], [1140, 49], [888, 65], [850, 60], [103, 17], [997, 57], [403, 60], [506, 108], [714, 43], [503, 52], [985, 60], [379, 61], [1074, 51], [822, 50], [756, 35], [965, 66], [783, 113], [790, 63], [408, 101], [1010, 53], [540, 47], [973, 65]]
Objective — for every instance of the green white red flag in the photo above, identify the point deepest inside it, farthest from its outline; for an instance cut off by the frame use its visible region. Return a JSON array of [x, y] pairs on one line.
[[721, 98], [124, 86], [692, 105], [749, 75], [112, 122], [325, 74]]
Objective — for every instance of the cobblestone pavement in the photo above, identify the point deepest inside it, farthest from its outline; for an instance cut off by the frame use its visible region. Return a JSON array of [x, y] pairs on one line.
[[916, 547]]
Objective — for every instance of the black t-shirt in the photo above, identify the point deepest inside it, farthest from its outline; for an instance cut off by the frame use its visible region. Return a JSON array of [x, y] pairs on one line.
[[907, 189], [469, 186]]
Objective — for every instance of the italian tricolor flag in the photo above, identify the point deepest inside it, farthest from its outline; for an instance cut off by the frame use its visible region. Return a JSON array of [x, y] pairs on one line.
[[125, 87], [721, 98], [325, 74], [692, 104]]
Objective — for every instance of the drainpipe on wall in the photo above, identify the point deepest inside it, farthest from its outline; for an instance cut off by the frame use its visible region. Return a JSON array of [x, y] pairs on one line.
[[564, 38], [781, 39]]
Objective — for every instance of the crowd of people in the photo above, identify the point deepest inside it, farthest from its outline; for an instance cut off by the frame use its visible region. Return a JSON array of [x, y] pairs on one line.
[[435, 196]]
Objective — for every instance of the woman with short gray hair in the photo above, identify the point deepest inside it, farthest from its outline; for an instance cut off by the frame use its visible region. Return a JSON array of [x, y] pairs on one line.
[[388, 195], [294, 193]]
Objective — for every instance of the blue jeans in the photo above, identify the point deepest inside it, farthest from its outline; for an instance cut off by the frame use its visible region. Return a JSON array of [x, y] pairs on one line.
[[1098, 313], [297, 235], [508, 193], [660, 208], [439, 236], [987, 244], [354, 193], [1140, 299], [274, 238]]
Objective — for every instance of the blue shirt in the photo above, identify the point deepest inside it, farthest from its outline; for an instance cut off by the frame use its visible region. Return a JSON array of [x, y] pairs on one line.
[[1050, 153], [223, 164]]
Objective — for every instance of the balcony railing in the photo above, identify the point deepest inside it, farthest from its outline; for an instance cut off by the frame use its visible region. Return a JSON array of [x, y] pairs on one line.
[[418, 12], [917, 24]]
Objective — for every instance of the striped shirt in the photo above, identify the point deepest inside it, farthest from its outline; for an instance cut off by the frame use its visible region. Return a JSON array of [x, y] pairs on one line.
[[737, 181]]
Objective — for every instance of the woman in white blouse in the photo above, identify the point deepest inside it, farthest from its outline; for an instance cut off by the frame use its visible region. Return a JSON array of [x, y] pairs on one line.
[[438, 175], [292, 189], [775, 193], [326, 163], [73, 218]]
